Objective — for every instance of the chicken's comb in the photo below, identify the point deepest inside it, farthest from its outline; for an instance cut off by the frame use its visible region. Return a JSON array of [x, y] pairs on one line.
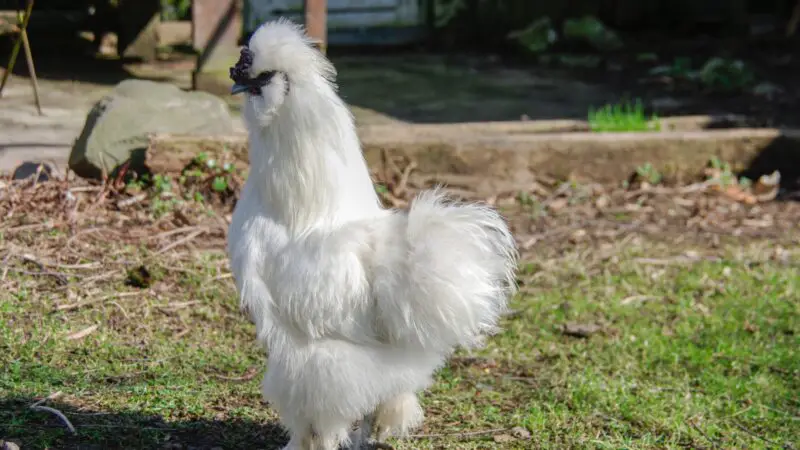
[[240, 73]]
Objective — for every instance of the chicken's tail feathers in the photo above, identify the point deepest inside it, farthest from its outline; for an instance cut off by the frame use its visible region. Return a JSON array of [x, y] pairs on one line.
[[448, 276]]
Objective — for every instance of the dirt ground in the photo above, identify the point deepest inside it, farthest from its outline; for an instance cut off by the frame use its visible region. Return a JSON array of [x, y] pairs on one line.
[[72, 246]]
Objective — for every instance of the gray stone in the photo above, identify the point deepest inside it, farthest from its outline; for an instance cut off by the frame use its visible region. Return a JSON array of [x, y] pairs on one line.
[[117, 127], [29, 169], [8, 445]]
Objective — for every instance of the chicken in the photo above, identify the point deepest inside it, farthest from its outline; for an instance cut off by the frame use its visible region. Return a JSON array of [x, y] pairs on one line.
[[356, 305]]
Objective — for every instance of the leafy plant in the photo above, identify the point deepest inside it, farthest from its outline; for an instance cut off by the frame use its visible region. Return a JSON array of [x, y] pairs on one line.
[[719, 172], [725, 74], [204, 176], [162, 184], [649, 173], [622, 117], [381, 189], [175, 9]]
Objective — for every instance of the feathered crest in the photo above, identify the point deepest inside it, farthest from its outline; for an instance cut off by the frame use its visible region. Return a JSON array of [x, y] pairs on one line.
[[282, 45], [240, 73]]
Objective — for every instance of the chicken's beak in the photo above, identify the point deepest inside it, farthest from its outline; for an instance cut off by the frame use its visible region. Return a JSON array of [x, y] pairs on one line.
[[238, 88]]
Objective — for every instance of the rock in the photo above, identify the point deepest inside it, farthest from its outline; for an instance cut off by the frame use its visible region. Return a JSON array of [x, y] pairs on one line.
[[520, 433], [29, 169], [8, 445], [581, 330], [503, 438], [117, 128]]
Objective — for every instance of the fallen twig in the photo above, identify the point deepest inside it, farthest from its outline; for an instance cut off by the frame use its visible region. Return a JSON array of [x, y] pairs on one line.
[[52, 396], [638, 299], [121, 309], [702, 433], [457, 435], [60, 278], [402, 186], [37, 407], [249, 375], [182, 241], [178, 305], [743, 428], [73, 306], [83, 333], [131, 201], [673, 261], [31, 227], [172, 232]]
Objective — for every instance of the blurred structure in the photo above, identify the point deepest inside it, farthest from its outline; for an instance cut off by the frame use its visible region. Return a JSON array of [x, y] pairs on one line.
[[218, 27], [135, 22], [350, 22]]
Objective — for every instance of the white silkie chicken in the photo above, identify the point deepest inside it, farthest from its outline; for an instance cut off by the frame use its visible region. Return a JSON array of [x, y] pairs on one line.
[[357, 305]]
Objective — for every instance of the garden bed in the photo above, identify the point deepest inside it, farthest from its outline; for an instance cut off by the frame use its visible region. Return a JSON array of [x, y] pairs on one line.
[[510, 152]]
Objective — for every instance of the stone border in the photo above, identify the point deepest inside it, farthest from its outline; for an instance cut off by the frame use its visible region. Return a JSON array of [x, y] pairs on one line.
[[497, 151]]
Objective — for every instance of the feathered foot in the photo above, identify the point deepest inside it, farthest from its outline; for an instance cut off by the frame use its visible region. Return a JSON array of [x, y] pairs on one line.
[[368, 436], [396, 416]]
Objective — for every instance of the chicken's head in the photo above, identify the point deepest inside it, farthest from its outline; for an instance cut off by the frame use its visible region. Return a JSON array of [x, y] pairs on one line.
[[279, 58]]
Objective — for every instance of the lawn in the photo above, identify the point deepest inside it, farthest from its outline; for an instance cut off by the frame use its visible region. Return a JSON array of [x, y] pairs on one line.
[[624, 334]]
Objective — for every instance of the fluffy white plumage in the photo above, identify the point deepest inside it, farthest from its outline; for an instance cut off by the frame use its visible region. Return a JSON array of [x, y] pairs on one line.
[[357, 305]]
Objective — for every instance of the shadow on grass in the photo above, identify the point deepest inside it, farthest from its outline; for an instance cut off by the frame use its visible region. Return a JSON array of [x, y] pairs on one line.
[[126, 429]]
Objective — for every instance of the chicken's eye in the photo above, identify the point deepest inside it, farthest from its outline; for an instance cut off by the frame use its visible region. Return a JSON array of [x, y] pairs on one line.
[[254, 90]]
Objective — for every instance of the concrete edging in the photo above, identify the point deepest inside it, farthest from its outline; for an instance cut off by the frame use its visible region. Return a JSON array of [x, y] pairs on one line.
[[499, 152]]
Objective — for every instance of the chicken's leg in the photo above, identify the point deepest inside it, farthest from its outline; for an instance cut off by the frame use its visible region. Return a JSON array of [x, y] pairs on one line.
[[400, 414], [368, 437]]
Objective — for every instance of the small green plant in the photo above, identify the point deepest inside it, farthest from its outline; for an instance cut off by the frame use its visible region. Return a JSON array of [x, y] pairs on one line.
[[162, 184], [525, 199], [136, 184], [745, 182], [203, 176], [161, 206], [175, 9], [649, 173], [381, 189], [721, 172], [622, 117]]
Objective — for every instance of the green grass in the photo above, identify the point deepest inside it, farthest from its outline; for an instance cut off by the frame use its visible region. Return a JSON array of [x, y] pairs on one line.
[[622, 117], [688, 355]]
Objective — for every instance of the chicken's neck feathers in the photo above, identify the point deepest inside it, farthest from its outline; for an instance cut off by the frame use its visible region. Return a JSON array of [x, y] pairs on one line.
[[311, 171]]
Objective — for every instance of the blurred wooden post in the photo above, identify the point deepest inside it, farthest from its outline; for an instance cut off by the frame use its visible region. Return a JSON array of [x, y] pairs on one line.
[[794, 20], [316, 21], [216, 31], [137, 30], [23, 18]]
